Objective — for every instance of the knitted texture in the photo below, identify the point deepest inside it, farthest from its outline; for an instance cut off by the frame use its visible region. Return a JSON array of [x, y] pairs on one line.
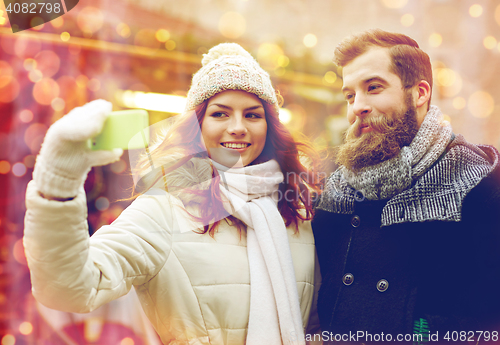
[[437, 194], [386, 179], [228, 66]]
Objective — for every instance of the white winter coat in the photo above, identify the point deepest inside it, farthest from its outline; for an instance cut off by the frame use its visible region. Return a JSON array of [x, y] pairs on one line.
[[195, 289]]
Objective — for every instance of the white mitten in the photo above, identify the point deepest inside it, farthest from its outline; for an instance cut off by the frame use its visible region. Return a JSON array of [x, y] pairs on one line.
[[64, 159]]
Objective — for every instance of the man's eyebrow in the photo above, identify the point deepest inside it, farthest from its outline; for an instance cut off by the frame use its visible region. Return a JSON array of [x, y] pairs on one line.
[[367, 81], [375, 78]]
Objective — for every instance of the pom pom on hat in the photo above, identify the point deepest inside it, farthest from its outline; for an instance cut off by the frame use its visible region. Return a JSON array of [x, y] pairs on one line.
[[224, 49], [228, 66]]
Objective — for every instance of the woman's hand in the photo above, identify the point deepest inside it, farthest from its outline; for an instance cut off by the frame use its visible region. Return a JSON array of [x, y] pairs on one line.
[[64, 159]]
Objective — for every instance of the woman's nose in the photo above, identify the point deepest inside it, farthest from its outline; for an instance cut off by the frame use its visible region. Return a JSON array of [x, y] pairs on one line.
[[237, 126]]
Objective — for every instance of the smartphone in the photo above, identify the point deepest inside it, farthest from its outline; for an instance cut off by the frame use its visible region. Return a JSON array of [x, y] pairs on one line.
[[124, 129]]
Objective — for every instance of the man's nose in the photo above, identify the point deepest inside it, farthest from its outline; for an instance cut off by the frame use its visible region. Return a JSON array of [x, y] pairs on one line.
[[360, 106]]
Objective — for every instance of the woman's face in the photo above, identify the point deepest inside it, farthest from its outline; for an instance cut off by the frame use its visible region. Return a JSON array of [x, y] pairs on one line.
[[234, 125]]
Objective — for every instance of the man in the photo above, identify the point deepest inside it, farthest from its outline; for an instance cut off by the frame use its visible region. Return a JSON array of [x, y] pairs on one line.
[[408, 228]]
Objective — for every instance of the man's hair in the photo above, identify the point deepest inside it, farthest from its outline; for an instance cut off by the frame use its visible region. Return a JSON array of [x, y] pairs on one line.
[[409, 62]]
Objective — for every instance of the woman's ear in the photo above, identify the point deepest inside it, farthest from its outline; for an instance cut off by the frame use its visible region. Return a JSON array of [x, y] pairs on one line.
[[424, 94]]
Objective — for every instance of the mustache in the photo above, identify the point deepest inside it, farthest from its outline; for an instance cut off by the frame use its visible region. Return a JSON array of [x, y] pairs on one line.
[[379, 124]]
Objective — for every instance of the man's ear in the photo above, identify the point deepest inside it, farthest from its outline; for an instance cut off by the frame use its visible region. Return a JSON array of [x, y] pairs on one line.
[[424, 94]]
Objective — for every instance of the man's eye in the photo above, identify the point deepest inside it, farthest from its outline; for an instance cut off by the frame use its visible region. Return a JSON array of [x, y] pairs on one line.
[[373, 87], [349, 97]]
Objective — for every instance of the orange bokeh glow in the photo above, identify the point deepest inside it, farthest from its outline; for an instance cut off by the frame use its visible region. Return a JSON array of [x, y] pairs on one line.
[[45, 91]]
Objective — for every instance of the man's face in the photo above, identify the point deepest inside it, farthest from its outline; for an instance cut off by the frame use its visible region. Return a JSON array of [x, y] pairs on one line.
[[382, 114]]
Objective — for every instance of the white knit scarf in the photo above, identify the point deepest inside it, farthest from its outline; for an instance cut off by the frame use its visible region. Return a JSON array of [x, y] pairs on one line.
[[386, 179], [251, 193]]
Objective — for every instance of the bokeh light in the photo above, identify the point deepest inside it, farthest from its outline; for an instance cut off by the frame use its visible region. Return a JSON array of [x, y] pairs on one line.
[[37, 23], [102, 203], [94, 84], [270, 54], [232, 25], [407, 20], [118, 167], [446, 76], [45, 91], [4, 167], [283, 61], [310, 40], [475, 10], [123, 30], [330, 77], [285, 116], [459, 103], [90, 20], [33, 136], [445, 120], [10, 91], [435, 40], [57, 22], [29, 64], [58, 104], [82, 81], [29, 161], [170, 45], [69, 90], [298, 117], [8, 339], [35, 76], [450, 82], [25, 328], [490, 42], [48, 63], [19, 169], [65, 36], [481, 104], [26, 115], [162, 35], [127, 341], [18, 249], [6, 73], [394, 3]]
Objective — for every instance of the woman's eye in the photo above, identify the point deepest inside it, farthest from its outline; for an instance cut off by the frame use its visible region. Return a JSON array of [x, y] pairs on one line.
[[218, 114], [349, 97], [253, 116]]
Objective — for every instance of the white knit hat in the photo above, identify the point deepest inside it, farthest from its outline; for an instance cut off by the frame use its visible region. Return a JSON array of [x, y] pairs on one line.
[[228, 66]]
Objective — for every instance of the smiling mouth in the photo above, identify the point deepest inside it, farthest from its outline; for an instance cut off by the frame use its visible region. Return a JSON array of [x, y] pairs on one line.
[[235, 145], [365, 128]]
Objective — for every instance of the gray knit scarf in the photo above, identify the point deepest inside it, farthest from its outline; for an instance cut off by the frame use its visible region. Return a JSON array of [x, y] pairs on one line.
[[386, 179], [424, 182]]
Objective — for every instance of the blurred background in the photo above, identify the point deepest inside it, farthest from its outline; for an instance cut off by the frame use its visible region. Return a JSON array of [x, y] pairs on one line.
[[142, 54]]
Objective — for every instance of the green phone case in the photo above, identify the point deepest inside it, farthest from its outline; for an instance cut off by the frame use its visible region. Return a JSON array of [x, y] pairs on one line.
[[125, 129]]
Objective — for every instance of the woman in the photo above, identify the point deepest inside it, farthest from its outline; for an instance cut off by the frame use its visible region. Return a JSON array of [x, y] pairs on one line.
[[219, 248]]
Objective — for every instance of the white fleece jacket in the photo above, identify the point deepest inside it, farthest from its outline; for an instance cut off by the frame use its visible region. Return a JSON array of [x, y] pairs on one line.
[[194, 288]]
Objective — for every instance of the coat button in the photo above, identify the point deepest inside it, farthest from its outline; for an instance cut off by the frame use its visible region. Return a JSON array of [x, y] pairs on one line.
[[355, 221], [348, 279], [382, 285]]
